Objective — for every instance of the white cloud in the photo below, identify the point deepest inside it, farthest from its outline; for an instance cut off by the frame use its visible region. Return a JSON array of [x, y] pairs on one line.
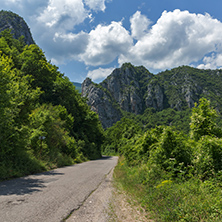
[[53, 22], [178, 38], [212, 62], [139, 25], [106, 43], [68, 46], [63, 14], [98, 47], [96, 5], [99, 73]]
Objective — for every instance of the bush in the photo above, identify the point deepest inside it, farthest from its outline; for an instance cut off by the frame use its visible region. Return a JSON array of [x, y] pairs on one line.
[[208, 156], [203, 121], [171, 151]]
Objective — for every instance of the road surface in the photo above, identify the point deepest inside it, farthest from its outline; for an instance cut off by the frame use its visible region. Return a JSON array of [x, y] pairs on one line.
[[52, 196]]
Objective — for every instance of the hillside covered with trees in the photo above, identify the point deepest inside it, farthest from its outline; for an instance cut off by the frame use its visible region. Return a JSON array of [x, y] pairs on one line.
[[45, 123]]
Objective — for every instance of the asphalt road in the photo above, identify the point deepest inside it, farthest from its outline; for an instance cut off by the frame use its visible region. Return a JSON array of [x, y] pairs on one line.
[[53, 195]]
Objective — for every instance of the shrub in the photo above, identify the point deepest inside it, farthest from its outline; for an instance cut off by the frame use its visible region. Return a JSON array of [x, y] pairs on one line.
[[171, 148], [203, 121], [208, 156]]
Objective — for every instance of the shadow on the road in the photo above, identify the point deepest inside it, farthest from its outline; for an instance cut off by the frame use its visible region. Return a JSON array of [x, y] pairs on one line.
[[25, 185], [106, 157]]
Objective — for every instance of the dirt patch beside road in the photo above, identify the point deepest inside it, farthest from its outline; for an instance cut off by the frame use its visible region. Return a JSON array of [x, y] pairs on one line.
[[109, 204], [96, 207], [124, 209]]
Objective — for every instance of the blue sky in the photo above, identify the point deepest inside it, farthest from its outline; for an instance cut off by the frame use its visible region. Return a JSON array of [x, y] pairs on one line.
[[89, 38]]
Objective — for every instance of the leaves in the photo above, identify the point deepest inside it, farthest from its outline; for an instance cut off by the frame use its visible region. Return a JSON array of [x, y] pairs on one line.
[[203, 120], [37, 100]]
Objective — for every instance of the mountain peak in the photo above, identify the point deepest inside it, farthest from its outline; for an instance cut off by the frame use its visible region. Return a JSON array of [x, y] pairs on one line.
[[17, 25], [134, 89]]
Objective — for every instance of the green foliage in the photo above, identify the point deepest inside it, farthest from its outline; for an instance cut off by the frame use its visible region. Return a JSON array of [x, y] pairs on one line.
[[208, 158], [171, 149], [137, 150], [203, 121], [86, 126], [44, 122], [17, 99], [118, 134], [34, 63], [174, 176], [170, 200], [168, 117]]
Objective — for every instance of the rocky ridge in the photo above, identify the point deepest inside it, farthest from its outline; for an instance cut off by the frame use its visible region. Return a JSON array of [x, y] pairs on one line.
[[101, 102], [134, 89], [17, 25]]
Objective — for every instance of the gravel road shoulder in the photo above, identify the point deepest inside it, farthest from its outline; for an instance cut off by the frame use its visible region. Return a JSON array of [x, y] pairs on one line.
[[108, 204], [96, 207]]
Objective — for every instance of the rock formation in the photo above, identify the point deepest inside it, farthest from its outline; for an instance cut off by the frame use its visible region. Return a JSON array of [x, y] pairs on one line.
[[17, 25], [101, 102], [133, 89]]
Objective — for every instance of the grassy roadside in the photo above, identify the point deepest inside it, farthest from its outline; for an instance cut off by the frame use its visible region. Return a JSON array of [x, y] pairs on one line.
[[171, 199], [124, 208]]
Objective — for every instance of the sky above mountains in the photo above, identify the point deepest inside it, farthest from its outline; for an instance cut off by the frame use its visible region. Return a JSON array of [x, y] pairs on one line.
[[89, 38]]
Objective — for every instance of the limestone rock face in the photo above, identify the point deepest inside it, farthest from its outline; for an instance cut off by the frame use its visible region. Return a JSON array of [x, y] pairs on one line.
[[122, 91], [134, 89], [155, 96], [125, 87], [17, 25], [101, 103]]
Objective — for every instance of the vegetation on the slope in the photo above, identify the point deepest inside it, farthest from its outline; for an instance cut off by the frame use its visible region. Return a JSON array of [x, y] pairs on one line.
[[167, 117], [175, 176], [44, 122]]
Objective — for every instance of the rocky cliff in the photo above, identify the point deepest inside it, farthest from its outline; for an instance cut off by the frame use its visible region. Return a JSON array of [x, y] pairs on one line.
[[17, 25], [134, 89], [101, 102], [126, 85]]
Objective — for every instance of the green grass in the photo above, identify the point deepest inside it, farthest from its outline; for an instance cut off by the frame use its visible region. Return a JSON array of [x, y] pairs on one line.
[[170, 199]]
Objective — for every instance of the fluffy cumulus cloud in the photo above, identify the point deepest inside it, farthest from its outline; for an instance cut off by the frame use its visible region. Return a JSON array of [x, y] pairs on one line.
[[99, 73], [72, 46], [211, 62], [139, 25], [53, 22], [64, 14], [106, 43], [178, 38]]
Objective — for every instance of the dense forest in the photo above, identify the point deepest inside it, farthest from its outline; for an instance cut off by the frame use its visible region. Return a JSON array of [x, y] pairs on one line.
[[45, 123]]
